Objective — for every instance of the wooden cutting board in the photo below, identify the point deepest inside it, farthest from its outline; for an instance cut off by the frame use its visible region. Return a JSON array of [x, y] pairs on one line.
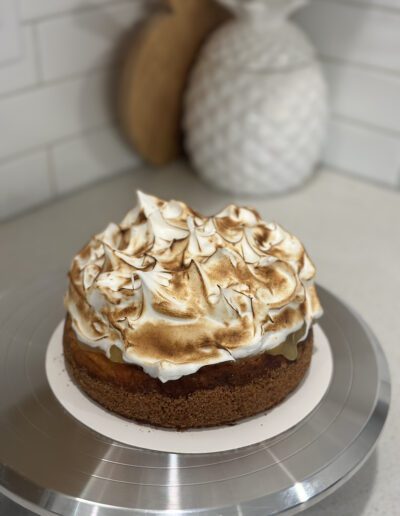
[[154, 74]]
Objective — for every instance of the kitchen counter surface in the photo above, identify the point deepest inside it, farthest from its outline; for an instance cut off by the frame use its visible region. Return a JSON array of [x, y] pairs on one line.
[[350, 228]]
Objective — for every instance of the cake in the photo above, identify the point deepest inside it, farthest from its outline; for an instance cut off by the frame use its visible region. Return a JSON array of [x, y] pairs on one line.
[[179, 320]]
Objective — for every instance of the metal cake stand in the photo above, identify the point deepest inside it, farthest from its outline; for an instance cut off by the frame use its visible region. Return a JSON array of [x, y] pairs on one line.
[[50, 463]]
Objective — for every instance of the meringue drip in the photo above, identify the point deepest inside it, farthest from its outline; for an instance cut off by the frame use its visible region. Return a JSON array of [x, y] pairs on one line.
[[173, 290]]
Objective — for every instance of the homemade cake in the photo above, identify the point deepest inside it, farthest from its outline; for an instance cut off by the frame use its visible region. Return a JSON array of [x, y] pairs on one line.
[[182, 321]]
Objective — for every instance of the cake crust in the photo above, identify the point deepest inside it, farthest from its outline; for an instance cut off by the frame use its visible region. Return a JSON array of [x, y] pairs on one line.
[[217, 394]]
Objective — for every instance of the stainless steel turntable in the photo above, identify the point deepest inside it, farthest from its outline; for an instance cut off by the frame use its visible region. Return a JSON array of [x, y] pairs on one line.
[[51, 463]]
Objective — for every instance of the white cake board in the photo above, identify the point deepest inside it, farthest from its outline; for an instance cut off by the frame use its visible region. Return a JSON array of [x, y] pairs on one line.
[[217, 439]]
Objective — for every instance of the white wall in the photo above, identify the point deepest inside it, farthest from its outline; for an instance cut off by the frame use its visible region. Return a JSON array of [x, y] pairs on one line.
[[359, 44], [56, 128]]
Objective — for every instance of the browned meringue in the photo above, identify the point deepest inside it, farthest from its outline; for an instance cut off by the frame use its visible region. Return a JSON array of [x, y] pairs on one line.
[[175, 290]]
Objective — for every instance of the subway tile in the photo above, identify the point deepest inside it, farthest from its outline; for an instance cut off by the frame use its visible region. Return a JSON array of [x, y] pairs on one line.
[[10, 37], [22, 72], [91, 157], [353, 33], [363, 94], [76, 43], [43, 115], [24, 182], [34, 9], [363, 151]]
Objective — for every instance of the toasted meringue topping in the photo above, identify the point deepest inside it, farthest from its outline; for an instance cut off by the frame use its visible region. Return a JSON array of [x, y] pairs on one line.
[[175, 290]]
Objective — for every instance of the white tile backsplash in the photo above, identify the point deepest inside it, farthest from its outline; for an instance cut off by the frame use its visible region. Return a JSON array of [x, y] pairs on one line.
[[22, 72], [359, 44], [91, 156], [366, 95], [363, 151], [24, 183], [41, 116], [56, 58], [355, 33], [56, 129], [75, 43]]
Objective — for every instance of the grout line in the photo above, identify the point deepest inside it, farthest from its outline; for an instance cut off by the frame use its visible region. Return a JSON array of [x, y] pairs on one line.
[[78, 10], [391, 72], [387, 9], [20, 35], [365, 125], [51, 173], [37, 55], [57, 141], [54, 82], [22, 90]]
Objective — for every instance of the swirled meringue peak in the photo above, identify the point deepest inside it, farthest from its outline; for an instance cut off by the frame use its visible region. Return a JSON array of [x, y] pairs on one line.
[[171, 290]]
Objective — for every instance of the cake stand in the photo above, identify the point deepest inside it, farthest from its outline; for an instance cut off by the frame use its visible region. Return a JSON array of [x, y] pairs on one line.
[[52, 464]]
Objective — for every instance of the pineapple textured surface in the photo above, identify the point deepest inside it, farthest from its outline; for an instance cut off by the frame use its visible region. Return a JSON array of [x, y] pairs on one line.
[[255, 109]]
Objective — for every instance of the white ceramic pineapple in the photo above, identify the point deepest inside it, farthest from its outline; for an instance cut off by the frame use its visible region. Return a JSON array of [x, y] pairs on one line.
[[255, 108]]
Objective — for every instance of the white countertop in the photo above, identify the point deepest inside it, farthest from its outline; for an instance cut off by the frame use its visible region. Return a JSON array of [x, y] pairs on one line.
[[350, 228]]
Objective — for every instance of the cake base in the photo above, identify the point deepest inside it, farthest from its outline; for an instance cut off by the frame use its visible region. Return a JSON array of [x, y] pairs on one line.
[[215, 395]]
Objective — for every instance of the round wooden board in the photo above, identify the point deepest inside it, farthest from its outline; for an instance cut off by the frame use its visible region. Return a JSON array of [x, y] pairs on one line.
[[154, 74]]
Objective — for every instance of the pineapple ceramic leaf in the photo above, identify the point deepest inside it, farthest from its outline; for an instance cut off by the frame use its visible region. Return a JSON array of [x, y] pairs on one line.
[[269, 9], [256, 103]]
